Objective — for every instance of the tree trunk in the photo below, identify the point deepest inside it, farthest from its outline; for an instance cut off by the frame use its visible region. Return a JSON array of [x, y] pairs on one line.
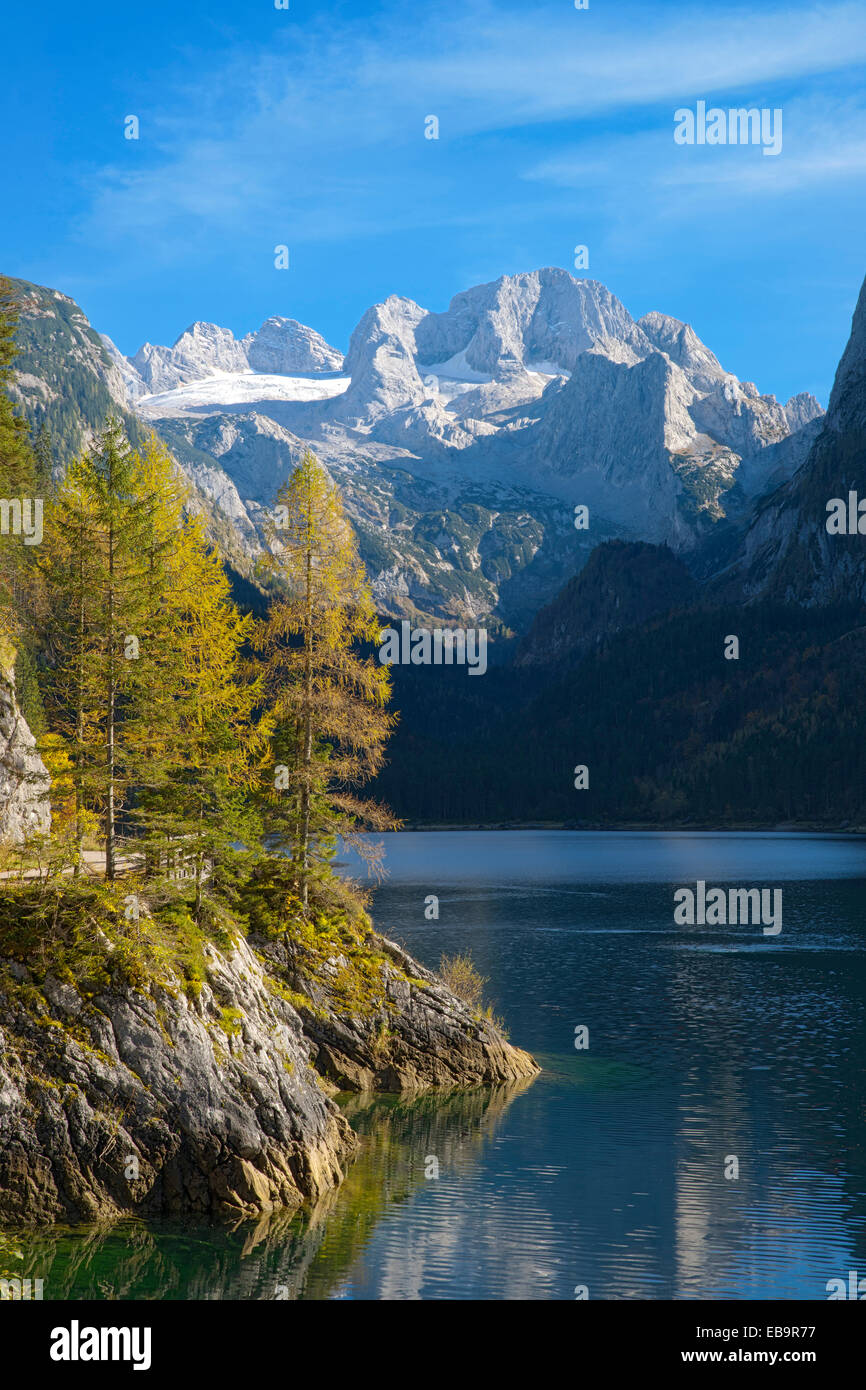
[[111, 693], [79, 719], [308, 736], [199, 861]]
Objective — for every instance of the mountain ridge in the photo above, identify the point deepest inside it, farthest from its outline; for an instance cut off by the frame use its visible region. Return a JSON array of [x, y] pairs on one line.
[[462, 441]]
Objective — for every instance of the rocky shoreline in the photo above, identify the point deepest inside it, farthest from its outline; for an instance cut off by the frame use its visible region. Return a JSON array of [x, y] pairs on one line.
[[161, 1101]]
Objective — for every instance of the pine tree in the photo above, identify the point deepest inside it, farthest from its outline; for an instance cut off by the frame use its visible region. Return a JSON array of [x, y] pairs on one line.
[[326, 701], [43, 459]]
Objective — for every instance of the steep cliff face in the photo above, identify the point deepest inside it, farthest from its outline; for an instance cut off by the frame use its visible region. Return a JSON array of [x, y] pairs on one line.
[[137, 1101], [787, 552], [24, 779]]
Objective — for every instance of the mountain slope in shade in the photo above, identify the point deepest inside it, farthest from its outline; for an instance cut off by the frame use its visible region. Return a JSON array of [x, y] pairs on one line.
[[621, 586], [64, 375], [69, 378]]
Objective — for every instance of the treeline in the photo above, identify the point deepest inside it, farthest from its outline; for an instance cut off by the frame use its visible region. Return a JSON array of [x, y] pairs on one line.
[[194, 749]]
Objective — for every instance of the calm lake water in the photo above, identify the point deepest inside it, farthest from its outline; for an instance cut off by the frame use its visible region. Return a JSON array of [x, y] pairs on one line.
[[608, 1170]]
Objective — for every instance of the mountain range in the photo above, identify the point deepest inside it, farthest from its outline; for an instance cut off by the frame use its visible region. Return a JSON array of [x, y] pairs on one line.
[[462, 441], [629, 671]]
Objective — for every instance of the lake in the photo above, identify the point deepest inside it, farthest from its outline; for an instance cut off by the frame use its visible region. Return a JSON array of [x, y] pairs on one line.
[[708, 1143]]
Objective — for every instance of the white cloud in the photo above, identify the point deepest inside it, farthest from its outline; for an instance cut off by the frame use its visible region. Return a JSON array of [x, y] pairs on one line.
[[824, 140], [321, 136], [544, 66]]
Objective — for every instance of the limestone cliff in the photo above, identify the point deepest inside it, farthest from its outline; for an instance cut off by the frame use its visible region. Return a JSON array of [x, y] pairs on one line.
[[24, 779], [129, 1087]]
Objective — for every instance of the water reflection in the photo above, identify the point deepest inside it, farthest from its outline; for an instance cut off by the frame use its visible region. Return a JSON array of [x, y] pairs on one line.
[[609, 1170], [283, 1256]]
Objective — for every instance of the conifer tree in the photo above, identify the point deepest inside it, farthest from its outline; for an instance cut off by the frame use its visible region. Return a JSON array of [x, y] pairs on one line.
[[43, 459], [326, 700], [17, 476], [16, 456], [98, 574], [148, 689], [191, 730], [69, 565]]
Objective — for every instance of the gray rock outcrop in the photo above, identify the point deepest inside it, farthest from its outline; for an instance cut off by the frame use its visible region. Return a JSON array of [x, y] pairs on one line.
[[24, 779], [159, 1099], [284, 346], [160, 1102], [418, 1036]]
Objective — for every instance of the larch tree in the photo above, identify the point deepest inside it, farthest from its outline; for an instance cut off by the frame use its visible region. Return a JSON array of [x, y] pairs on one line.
[[149, 688], [68, 562], [17, 479], [98, 574], [325, 699], [192, 734]]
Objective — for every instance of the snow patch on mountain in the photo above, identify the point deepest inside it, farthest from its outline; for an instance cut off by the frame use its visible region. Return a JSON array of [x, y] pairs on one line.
[[230, 391], [280, 347]]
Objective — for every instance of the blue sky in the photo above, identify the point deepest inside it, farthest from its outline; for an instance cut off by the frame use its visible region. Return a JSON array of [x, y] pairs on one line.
[[306, 127]]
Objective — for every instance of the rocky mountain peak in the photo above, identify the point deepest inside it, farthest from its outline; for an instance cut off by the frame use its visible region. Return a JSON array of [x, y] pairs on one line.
[[540, 316], [847, 407], [381, 361], [679, 342], [463, 440], [283, 346], [802, 409]]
